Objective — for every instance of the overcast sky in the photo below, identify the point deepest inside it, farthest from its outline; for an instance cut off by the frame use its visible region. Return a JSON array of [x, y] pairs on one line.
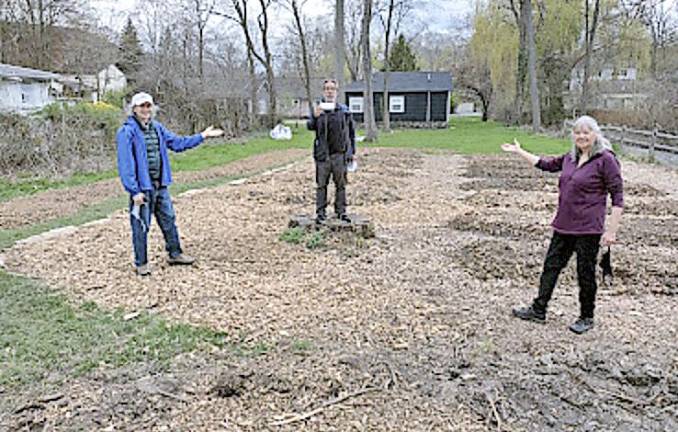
[[438, 15]]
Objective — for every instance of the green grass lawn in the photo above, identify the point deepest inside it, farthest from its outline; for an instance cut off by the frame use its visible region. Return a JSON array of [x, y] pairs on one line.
[[471, 136], [28, 186], [43, 334], [465, 135]]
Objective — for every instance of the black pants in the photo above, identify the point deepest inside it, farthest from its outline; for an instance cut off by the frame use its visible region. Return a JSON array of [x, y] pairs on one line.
[[560, 250], [335, 166]]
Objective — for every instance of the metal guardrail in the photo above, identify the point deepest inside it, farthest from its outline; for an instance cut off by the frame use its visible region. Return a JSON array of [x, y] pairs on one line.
[[652, 141]]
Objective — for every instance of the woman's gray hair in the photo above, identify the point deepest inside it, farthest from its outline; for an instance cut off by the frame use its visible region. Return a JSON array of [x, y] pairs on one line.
[[130, 110], [599, 145]]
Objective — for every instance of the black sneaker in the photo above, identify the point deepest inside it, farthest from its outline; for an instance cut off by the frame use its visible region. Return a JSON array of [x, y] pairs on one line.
[[582, 325], [345, 218], [320, 220], [529, 314]]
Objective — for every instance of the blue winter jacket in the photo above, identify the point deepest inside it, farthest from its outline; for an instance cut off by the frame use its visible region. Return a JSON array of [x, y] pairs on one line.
[[132, 156]]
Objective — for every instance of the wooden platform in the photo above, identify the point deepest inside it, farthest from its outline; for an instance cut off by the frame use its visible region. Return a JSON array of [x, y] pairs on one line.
[[359, 225]]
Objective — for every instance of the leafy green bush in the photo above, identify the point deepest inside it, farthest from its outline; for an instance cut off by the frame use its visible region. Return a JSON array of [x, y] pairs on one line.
[[60, 140], [116, 98], [97, 115]]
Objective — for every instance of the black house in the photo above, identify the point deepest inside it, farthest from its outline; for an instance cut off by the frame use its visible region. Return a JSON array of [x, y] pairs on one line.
[[416, 99]]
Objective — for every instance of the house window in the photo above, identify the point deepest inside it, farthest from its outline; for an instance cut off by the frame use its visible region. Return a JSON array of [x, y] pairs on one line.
[[355, 104], [396, 104]]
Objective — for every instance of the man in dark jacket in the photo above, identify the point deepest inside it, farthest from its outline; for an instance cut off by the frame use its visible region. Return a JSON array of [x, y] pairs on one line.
[[144, 169], [333, 149]]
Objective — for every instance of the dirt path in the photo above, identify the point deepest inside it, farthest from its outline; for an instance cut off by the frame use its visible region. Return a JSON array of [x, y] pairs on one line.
[[413, 327], [53, 204]]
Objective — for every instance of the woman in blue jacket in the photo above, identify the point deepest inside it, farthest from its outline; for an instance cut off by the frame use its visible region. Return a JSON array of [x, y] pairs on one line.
[[144, 169]]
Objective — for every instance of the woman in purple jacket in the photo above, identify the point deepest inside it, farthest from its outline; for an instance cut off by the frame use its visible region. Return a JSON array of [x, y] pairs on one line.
[[589, 172]]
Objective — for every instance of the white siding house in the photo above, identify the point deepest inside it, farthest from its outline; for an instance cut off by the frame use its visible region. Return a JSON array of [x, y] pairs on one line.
[[111, 79], [92, 87], [610, 88], [24, 90]]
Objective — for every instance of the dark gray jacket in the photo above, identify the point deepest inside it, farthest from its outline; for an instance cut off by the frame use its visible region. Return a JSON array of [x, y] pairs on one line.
[[321, 150]]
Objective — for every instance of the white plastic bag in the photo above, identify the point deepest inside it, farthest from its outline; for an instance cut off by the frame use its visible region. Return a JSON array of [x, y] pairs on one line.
[[281, 132]]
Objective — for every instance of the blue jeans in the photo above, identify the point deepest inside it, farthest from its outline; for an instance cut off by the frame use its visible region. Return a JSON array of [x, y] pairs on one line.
[[159, 203]]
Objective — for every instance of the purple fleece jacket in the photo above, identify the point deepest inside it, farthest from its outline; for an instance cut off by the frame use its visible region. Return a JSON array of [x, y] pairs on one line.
[[583, 191]]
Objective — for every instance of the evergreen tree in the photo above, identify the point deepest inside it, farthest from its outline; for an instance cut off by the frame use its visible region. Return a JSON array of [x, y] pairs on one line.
[[131, 52], [402, 59]]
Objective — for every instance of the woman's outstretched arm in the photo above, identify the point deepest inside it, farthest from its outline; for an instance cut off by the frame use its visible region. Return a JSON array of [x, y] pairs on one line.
[[517, 149]]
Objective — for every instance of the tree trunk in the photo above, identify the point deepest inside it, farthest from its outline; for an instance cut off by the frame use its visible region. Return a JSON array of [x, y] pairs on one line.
[[272, 97], [368, 98], [521, 74], [201, 51], [532, 65], [653, 55], [262, 20], [386, 113], [253, 90], [304, 51], [339, 47], [486, 110], [352, 34], [590, 38], [267, 58], [485, 100]]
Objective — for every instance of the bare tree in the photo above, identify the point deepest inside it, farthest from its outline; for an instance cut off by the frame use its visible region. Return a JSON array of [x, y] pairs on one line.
[[252, 73], [521, 76], [240, 16], [295, 6], [8, 38], [391, 15], [90, 53], [591, 21], [660, 21], [354, 41], [526, 12], [32, 29], [339, 46], [200, 12], [473, 79], [368, 98], [387, 22]]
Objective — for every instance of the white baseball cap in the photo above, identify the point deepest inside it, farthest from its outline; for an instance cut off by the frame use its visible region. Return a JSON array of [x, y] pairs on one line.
[[141, 98]]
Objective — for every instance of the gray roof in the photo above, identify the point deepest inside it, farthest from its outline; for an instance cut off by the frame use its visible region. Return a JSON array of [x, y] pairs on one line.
[[406, 82], [9, 71]]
